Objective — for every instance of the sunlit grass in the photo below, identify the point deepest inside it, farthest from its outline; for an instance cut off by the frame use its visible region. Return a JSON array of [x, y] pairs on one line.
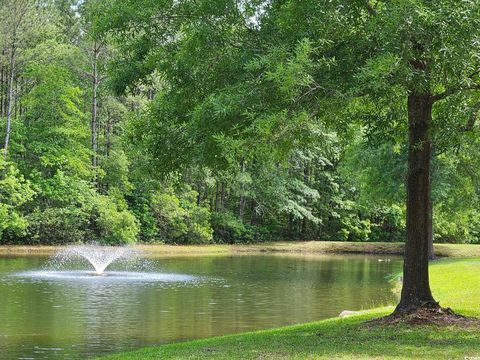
[[285, 247], [454, 283]]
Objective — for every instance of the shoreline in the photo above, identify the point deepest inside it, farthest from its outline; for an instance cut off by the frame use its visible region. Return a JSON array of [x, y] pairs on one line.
[[347, 337], [284, 247]]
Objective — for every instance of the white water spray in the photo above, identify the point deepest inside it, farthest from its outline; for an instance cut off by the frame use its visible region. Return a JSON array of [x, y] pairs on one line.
[[62, 266], [100, 257]]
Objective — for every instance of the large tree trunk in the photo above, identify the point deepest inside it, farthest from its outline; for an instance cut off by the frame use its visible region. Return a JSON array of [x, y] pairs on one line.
[[416, 287]]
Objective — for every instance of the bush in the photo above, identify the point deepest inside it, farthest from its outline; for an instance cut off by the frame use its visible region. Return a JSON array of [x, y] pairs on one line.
[[452, 225], [354, 229], [179, 219], [140, 206], [228, 228], [112, 222], [14, 192], [474, 228], [388, 224], [60, 210], [54, 225]]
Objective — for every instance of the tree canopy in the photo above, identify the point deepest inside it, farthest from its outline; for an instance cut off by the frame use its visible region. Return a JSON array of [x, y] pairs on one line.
[[242, 121]]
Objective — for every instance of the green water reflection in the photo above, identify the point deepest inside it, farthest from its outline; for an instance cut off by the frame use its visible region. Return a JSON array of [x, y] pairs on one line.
[[47, 319]]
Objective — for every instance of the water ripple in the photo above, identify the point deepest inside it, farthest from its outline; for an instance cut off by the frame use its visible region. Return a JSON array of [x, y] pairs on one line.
[[75, 275]]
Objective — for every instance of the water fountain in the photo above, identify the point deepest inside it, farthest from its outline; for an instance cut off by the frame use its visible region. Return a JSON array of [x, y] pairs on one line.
[[69, 264], [100, 257]]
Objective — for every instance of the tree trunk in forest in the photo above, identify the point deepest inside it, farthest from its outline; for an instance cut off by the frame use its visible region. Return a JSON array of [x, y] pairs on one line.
[[15, 99], [199, 194], [95, 82], [306, 181], [108, 142], [431, 250], [222, 197], [416, 287], [241, 207], [9, 102], [217, 196], [253, 218], [242, 201], [2, 87]]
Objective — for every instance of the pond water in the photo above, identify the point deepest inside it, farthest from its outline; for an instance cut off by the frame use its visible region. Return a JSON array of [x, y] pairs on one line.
[[45, 317]]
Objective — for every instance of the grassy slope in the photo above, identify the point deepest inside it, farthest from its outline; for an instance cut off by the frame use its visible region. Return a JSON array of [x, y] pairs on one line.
[[301, 247], [454, 283], [310, 247]]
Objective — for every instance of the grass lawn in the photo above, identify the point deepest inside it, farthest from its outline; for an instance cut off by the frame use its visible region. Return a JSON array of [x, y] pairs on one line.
[[455, 284], [285, 247]]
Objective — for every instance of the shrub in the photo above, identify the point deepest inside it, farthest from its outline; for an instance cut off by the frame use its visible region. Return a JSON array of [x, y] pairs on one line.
[[388, 224], [148, 227], [14, 192], [179, 219], [228, 228], [112, 222], [54, 225]]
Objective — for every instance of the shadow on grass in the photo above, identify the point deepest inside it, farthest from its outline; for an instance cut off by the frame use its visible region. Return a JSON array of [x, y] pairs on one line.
[[337, 338]]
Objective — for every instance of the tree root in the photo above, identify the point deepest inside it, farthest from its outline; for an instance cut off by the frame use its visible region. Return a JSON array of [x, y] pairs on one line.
[[426, 316]]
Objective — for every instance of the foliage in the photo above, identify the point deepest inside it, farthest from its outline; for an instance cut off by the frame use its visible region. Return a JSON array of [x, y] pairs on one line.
[[179, 219], [234, 122], [140, 205], [56, 225], [15, 191], [229, 229], [112, 222]]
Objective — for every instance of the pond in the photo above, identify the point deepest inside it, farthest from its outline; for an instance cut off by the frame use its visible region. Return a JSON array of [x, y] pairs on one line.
[[49, 318]]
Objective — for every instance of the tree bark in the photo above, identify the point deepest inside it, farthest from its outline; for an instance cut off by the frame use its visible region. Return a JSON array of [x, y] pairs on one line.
[[108, 134], [431, 250], [242, 201], [416, 291], [222, 197], [10, 99], [2, 87], [217, 196], [95, 82]]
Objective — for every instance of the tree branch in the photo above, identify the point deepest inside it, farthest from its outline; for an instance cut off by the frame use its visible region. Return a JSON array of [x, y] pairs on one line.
[[473, 118], [453, 91]]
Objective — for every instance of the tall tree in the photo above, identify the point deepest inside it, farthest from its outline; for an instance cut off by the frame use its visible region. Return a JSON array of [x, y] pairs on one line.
[[15, 18], [420, 53], [24, 25], [95, 47], [329, 60], [434, 56], [95, 54]]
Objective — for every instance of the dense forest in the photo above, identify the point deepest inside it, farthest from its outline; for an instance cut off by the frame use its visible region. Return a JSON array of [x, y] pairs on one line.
[[226, 121]]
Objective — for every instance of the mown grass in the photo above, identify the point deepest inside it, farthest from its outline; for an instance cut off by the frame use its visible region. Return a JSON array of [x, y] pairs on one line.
[[454, 283], [286, 247], [309, 247]]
